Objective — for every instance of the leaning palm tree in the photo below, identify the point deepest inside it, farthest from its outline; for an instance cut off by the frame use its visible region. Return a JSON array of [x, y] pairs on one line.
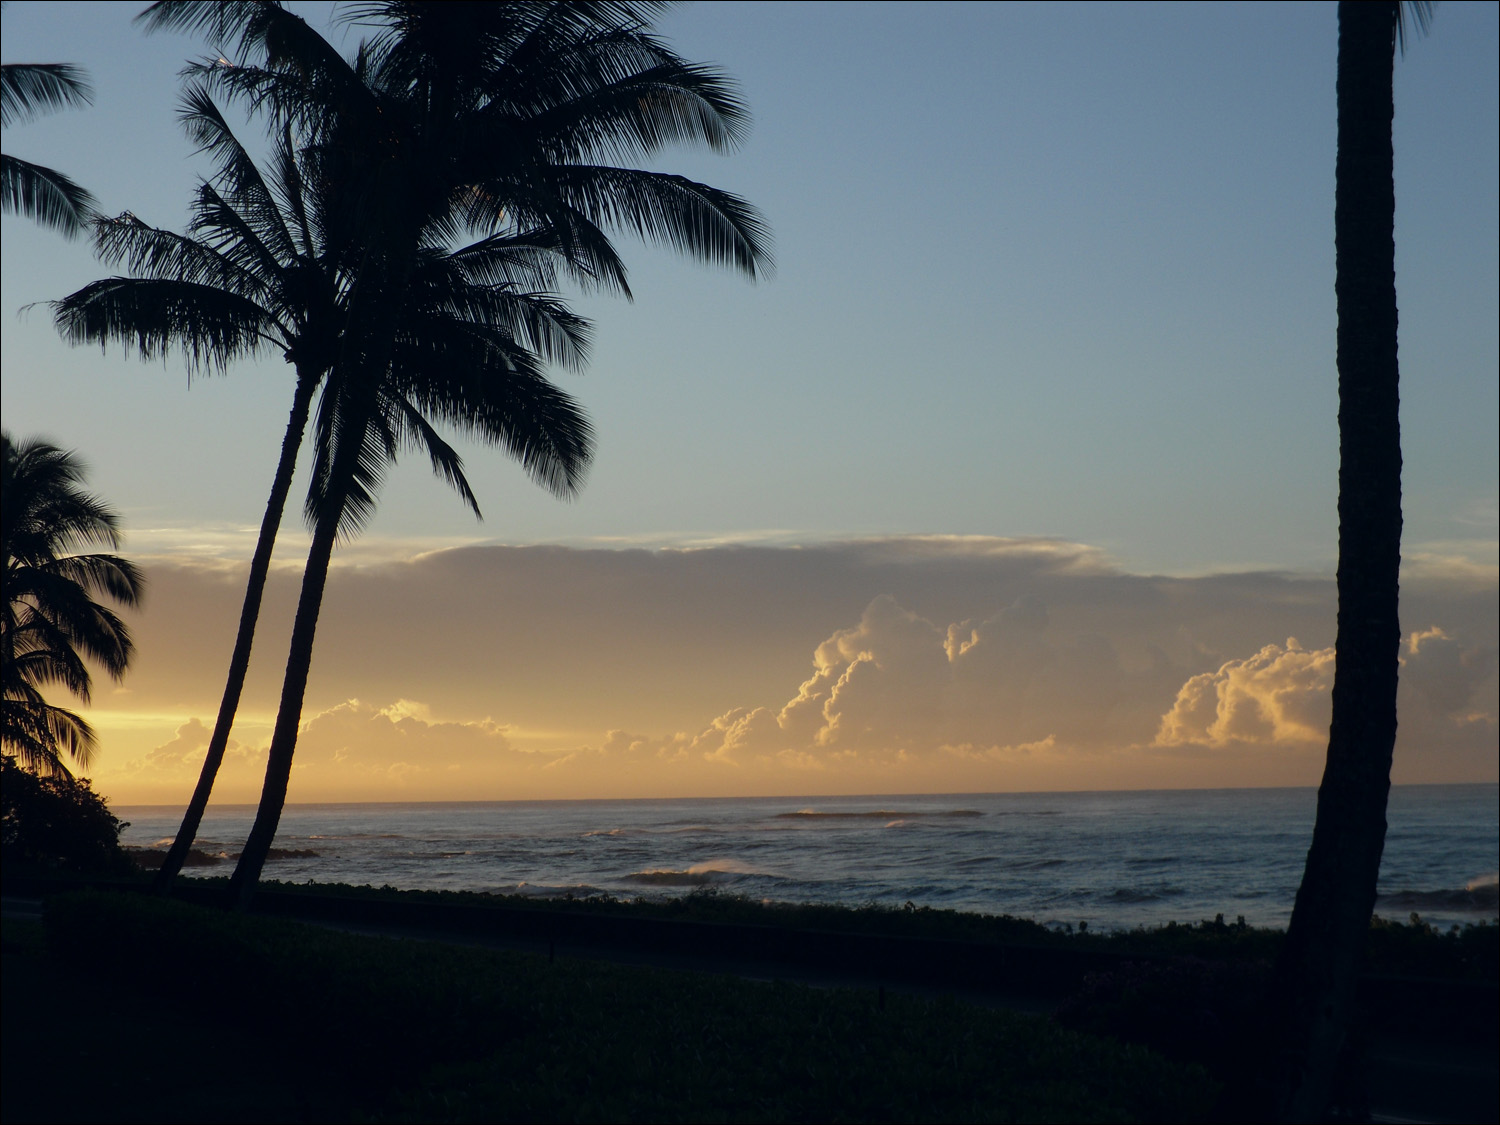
[[52, 620], [445, 362], [44, 194], [1320, 964], [250, 276], [256, 272]]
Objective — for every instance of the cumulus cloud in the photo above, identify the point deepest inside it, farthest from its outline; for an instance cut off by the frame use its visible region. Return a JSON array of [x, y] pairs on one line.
[[1278, 695], [896, 687], [1282, 695]]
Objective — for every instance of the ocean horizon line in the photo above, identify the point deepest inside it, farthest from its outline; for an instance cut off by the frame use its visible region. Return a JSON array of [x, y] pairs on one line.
[[906, 795]]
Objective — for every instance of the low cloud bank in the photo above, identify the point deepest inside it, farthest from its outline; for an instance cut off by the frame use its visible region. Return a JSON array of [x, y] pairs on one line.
[[963, 664]]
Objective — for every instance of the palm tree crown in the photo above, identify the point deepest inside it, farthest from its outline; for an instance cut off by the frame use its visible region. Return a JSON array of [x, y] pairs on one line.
[[497, 117], [51, 619]]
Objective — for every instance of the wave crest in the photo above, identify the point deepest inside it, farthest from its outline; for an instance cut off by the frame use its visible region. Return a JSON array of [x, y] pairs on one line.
[[698, 875], [1477, 897]]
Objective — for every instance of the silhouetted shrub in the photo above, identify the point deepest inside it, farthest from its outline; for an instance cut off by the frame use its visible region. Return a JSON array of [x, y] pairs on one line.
[[58, 823], [1418, 948]]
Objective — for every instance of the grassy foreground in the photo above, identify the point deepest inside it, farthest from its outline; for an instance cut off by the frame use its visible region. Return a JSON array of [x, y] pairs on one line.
[[190, 1014]]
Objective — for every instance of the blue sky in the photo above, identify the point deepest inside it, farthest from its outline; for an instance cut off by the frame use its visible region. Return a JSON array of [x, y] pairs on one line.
[[1061, 270]]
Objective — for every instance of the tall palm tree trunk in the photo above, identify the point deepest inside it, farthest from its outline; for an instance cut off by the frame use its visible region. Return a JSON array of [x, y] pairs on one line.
[[1319, 967], [288, 716], [239, 661]]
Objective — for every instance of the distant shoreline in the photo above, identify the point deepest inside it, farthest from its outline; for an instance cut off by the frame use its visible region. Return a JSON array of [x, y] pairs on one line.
[[226, 806]]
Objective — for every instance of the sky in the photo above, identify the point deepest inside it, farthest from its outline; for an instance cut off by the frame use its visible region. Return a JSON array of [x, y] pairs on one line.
[[1018, 473]]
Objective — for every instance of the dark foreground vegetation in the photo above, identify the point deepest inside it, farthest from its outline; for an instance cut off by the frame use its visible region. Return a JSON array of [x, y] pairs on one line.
[[382, 1029], [1147, 1024], [1150, 1024], [1410, 948]]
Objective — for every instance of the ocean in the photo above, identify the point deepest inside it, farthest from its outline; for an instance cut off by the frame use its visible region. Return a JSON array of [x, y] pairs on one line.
[[1113, 860]]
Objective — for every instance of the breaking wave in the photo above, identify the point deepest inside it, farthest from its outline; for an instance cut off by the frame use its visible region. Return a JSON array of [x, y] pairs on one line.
[[698, 875], [1479, 896]]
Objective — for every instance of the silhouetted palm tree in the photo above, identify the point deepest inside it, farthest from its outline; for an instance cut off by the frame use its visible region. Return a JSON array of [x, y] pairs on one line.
[[442, 369], [495, 117], [52, 621], [257, 271], [44, 194], [1319, 967]]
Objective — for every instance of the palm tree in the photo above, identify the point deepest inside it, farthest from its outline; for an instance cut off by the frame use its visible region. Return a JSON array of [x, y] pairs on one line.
[[257, 271], [52, 621], [46, 195], [494, 117], [1320, 964], [440, 366]]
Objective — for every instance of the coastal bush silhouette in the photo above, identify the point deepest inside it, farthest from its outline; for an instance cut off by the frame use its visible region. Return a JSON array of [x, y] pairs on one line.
[[57, 823]]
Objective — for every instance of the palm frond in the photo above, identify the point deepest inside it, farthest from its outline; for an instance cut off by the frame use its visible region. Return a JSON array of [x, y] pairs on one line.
[[539, 322], [695, 219], [226, 24], [61, 615], [41, 652], [38, 733], [639, 114], [44, 194], [150, 252], [526, 260], [480, 383], [355, 443], [28, 89], [208, 326], [103, 576], [251, 204], [46, 509], [292, 191], [446, 462], [1413, 19]]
